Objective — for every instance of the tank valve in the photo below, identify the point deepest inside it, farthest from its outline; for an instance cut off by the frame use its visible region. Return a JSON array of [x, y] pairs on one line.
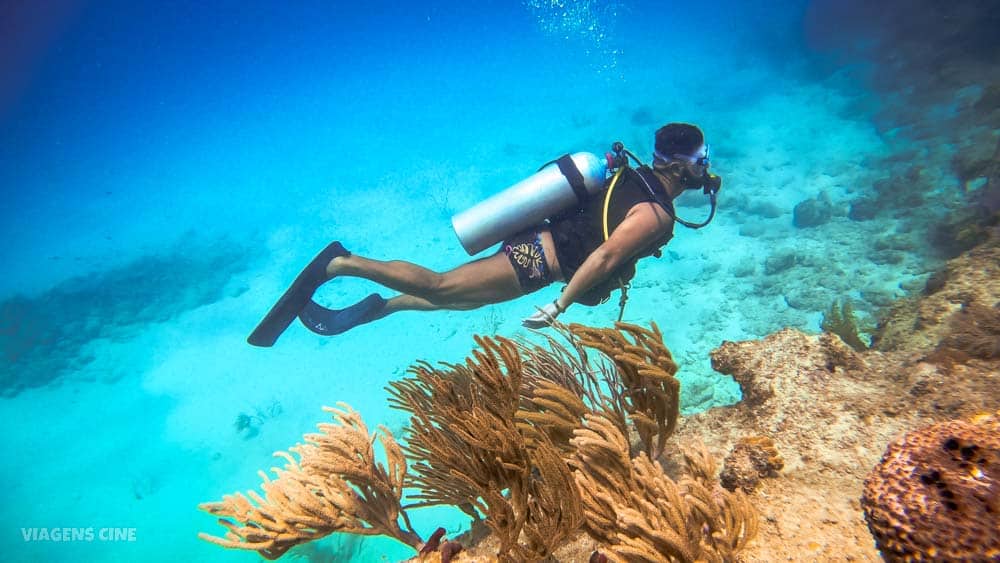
[[616, 158]]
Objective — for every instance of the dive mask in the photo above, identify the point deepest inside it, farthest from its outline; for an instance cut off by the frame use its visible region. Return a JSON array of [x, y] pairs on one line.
[[698, 158], [710, 183]]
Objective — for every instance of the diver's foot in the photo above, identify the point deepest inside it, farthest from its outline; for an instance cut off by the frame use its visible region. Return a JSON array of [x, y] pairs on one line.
[[295, 297], [329, 322]]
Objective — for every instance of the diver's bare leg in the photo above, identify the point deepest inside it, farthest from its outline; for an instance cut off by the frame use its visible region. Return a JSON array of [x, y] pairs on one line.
[[412, 303], [487, 280]]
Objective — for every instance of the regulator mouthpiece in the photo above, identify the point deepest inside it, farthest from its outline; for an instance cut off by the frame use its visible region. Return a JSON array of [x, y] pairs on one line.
[[712, 183]]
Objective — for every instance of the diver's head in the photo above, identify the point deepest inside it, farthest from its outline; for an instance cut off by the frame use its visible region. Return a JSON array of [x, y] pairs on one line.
[[680, 151], [678, 140]]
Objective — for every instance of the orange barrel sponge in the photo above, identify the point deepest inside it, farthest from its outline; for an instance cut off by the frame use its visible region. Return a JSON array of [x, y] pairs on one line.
[[935, 496]]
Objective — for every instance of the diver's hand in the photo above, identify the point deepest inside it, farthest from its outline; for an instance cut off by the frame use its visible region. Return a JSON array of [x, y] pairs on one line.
[[544, 317]]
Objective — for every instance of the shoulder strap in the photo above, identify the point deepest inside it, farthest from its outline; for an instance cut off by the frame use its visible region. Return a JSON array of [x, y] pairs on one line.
[[574, 177]]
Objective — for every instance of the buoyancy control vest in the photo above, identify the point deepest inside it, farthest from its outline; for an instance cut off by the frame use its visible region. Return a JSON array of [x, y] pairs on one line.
[[579, 232]]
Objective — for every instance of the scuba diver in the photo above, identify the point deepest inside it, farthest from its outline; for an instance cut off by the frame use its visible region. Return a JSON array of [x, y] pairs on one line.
[[592, 244]]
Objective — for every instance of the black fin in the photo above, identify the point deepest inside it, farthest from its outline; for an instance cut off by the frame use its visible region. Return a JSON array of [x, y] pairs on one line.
[[329, 322], [295, 297]]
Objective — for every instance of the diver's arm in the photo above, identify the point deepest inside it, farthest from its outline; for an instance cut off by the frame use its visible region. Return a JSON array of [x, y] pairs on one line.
[[644, 224]]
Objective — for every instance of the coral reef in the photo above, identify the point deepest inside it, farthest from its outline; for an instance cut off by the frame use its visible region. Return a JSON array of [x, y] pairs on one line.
[[468, 448], [648, 390], [959, 231], [840, 320], [641, 514], [530, 441], [335, 485], [989, 195], [973, 166], [975, 332], [555, 466], [780, 261], [332, 550], [933, 65], [813, 212], [42, 337], [245, 425], [248, 425], [445, 550], [935, 495], [922, 46], [751, 459], [923, 322], [831, 410]]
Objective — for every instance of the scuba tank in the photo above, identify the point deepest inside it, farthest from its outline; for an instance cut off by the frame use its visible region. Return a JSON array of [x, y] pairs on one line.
[[558, 185]]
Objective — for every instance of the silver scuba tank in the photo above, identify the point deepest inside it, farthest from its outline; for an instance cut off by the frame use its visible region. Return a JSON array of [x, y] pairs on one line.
[[554, 188]]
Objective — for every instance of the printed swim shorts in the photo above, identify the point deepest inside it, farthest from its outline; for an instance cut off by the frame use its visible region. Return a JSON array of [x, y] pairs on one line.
[[526, 255]]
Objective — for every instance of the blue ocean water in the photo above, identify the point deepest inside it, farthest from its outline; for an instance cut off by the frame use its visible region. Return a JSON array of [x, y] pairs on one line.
[[168, 167]]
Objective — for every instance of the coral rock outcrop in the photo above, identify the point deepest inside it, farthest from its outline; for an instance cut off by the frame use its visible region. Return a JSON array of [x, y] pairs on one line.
[[831, 410], [921, 323]]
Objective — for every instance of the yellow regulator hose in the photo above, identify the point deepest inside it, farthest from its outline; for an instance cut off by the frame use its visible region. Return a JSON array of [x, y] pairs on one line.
[[607, 200]]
